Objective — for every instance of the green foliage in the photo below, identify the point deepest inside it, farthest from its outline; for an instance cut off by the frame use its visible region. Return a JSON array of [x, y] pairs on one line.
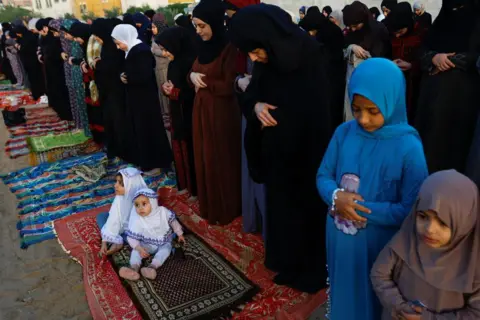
[[88, 15], [143, 8], [113, 13], [69, 16], [169, 11], [10, 13]]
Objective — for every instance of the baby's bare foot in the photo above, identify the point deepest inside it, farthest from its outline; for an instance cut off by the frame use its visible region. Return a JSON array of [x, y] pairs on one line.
[[129, 274], [149, 273]]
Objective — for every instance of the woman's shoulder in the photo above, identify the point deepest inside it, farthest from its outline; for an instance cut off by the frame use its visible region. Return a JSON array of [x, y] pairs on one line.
[[141, 48]]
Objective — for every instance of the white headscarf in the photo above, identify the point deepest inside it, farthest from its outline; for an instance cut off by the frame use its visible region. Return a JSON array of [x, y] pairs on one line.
[[338, 16], [177, 16], [119, 213], [32, 24], [127, 34], [153, 229]]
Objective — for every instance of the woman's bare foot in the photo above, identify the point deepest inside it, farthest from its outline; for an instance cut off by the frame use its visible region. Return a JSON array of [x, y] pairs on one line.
[[149, 273], [129, 274], [114, 248]]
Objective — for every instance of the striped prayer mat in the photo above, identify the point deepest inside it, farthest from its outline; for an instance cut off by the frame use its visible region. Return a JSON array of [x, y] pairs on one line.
[[52, 191]]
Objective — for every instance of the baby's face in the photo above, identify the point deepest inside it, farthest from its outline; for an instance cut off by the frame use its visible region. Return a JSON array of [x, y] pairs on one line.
[[143, 206], [119, 187], [431, 230]]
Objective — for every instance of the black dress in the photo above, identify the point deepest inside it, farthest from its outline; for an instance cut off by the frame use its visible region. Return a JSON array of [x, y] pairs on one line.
[[151, 148], [287, 156], [448, 103], [56, 87]]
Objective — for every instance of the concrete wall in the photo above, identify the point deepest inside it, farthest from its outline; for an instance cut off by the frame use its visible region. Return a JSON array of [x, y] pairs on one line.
[[53, 8], [433, 6]]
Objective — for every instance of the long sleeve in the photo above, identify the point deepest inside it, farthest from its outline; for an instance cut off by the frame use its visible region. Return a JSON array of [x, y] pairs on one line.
[[177, 227], [133, 242], [140, 74], [156, 50], [224, 86], [383, 283], [414, 173], [326, 175], [471, 311]]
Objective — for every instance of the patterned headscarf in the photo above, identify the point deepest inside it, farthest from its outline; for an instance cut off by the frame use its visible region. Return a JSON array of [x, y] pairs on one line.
[[56, 24]]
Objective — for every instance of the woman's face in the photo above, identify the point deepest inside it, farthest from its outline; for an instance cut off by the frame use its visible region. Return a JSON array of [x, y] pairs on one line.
[[258, 55], [418, 12], [325, 13], [367, 113], [68, 36], [356, 27], [154, 30], [167, 54], [79, 40], [99, 40], [313, 33], [143, 206], [121, 45], [301, 14], [139, 25], [431, 230], [203, 29], [386, 11], [56, 34]]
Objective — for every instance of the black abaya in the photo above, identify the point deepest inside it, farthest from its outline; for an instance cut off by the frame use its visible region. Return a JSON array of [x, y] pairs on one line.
[[28, 54], [56, 87], [289, 154], [143, 110], [448, 103], [118, 131]]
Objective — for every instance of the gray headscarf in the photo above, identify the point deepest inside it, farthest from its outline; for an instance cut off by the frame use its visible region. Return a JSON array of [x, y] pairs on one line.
[[456, 266], [338, 16], [418, 5]]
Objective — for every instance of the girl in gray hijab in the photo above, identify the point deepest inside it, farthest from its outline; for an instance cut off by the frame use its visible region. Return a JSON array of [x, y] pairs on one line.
[[430, 270]]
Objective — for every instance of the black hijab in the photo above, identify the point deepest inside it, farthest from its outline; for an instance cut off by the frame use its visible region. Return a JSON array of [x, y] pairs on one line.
[[185, 21], [270, 28], [452, 30], [81, 30], [128, 19], [389, 4], [375, 12], [326, 9], [41, 23], [211, 12], [400, 17]]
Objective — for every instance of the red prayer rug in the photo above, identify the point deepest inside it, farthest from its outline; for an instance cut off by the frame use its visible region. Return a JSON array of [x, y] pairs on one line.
[[108, 298]]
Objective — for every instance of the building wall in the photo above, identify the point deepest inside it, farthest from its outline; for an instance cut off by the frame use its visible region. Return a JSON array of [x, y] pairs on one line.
[[154, 4], [433, 6], [81, 7], [52, 8], [18, 3]]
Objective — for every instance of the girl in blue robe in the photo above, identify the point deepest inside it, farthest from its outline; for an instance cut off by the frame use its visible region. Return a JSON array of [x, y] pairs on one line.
[[375, 164]]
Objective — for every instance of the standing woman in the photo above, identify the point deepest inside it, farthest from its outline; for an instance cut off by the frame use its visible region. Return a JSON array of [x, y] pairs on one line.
[[73, 58], [111, 91], [177, 44], [161, 66], [448, 104], [6, 65], [143, 25], [365, 39], [15, 61], [286, 129], [51, 50], [152, 149], [82, 34], [28, 44], [216, 118], [422, 17]]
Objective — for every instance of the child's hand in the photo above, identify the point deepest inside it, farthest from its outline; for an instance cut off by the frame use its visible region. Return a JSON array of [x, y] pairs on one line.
[[143, 253], [346, 204], [410, 316], [182, 239], [103, 249]]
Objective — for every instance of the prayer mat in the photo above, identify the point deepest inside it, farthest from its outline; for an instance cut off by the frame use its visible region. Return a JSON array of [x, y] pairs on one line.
[[14, 98], [89, 147], [52, 191], [17, 146], [80, 237], [60, 140]]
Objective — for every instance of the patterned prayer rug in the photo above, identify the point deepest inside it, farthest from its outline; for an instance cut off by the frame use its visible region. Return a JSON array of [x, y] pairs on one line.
[[89, 147], [202, 284], [51, 191], [80, 237], [59, 140]]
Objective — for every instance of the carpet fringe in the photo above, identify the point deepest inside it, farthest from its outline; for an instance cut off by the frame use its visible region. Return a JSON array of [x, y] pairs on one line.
[[68, 252]]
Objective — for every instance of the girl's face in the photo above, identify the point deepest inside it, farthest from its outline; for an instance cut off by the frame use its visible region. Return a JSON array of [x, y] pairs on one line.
[[119, 187], [167, 54], [203, 29], [120, 45], [431, 230], [143, 206], [367, 113], [386, 11], [258, 55], [301, 14], [154, 30]]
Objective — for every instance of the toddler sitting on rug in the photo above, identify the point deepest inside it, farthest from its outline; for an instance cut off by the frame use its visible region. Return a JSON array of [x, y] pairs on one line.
[[113, 224], [150, 232]]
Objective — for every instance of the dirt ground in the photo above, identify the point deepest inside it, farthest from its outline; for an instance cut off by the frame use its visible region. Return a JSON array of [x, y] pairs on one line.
[[42, 282]]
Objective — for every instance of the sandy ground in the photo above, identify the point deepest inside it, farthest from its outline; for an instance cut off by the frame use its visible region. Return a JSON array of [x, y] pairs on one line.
[[42, 282]]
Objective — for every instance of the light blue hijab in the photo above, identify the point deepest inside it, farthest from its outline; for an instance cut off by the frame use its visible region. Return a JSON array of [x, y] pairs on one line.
[[382, 82]]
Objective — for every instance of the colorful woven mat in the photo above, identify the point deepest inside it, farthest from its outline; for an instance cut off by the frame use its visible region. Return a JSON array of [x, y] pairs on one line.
[[59, 140], [88, 147], [108, 299], [52, 191]]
